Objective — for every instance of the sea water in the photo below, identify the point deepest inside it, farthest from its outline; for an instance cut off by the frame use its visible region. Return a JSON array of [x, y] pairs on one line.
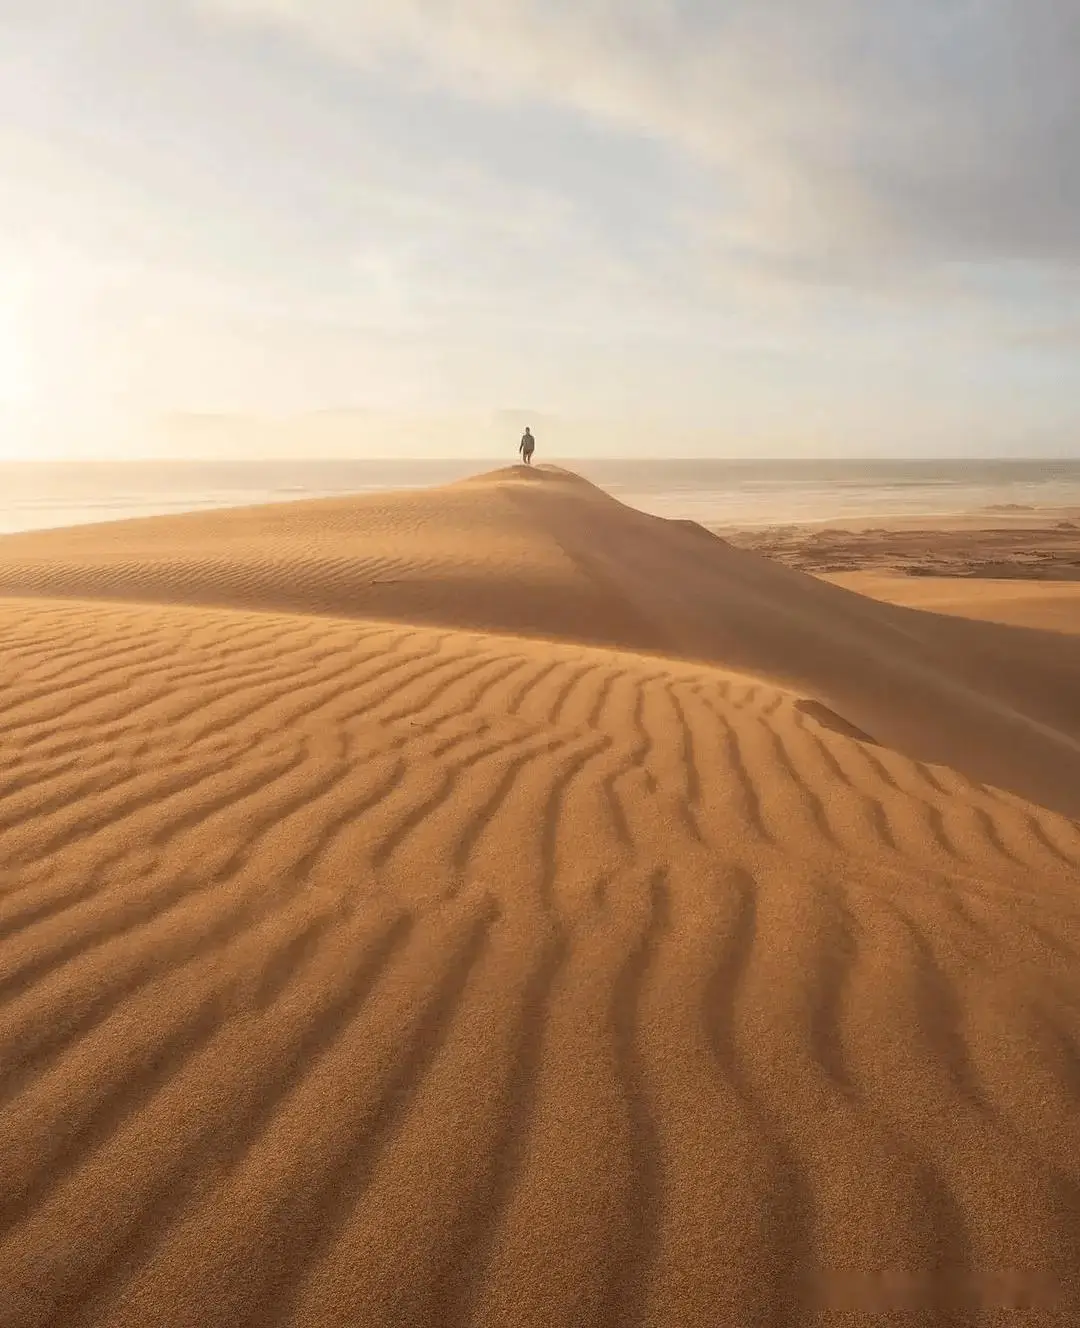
[[720, 493]]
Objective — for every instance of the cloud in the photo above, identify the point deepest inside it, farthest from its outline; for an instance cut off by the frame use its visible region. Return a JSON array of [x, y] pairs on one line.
[[842, 140], [778, 216]]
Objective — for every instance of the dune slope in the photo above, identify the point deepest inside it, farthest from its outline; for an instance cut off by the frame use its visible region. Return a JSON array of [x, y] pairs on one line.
[[1045, 605], [488, 906], [544, 553]]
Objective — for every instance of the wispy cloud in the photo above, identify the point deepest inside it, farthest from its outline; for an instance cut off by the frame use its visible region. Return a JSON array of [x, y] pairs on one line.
[[845, 137], [792, 220]]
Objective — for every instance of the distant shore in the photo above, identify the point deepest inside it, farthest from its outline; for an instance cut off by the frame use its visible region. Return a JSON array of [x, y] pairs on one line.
[[1006, 542], [716, 493]]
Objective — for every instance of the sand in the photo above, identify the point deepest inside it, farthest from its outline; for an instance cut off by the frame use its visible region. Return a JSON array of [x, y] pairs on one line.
[[1002, 543], [1049, 605], [495, 906]]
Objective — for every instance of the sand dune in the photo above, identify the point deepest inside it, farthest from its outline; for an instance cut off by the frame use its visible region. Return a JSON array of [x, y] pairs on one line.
[[494, 906], [545, 554], [1045, 605]]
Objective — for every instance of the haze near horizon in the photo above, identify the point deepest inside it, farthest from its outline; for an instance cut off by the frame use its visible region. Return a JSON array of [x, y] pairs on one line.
[[264, 227]]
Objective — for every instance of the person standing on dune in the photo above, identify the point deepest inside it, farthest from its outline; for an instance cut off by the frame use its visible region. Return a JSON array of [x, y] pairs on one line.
[[527, 446]]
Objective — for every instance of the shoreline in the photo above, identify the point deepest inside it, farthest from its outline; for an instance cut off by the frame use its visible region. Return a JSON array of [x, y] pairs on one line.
[[994, 546], [721, 495], [995, 518]]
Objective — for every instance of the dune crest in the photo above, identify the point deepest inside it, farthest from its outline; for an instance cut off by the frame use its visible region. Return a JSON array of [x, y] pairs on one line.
[[495, 906], [545, 554]]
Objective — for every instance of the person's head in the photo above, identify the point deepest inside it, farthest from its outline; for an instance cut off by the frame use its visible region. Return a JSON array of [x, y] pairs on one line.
[[528, 430]]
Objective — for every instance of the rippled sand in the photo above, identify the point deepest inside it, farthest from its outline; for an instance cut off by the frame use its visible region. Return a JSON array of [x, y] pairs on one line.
[[496, 906]]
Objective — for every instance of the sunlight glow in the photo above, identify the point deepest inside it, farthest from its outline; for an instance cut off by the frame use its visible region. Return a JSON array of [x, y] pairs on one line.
[[16, 388], [14, 370]]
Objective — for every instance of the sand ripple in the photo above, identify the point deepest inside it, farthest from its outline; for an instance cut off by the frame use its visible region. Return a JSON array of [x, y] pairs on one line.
[[358, 972]]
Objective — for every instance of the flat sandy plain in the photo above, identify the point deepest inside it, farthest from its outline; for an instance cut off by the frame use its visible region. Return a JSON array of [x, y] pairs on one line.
[[496, 906], [998, 543]]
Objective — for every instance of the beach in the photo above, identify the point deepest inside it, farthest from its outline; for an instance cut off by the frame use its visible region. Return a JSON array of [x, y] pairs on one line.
[[493, 904]]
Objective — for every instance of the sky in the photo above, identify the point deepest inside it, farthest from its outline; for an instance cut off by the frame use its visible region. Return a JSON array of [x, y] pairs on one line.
[[790, 228]]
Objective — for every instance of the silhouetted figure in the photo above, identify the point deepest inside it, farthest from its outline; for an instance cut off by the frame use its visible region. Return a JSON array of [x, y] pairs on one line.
[[527, 446]]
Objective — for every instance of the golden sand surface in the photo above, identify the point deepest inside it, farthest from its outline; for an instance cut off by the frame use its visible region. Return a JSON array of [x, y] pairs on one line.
[[1048, 605], [1003, 543], [495, 906]]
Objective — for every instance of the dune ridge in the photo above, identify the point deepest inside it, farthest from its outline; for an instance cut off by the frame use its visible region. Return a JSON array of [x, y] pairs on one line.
[[545, 554], [542, 927]]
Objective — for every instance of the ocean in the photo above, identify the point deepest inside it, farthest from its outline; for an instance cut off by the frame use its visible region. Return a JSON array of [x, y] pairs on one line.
[[36, 496]]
